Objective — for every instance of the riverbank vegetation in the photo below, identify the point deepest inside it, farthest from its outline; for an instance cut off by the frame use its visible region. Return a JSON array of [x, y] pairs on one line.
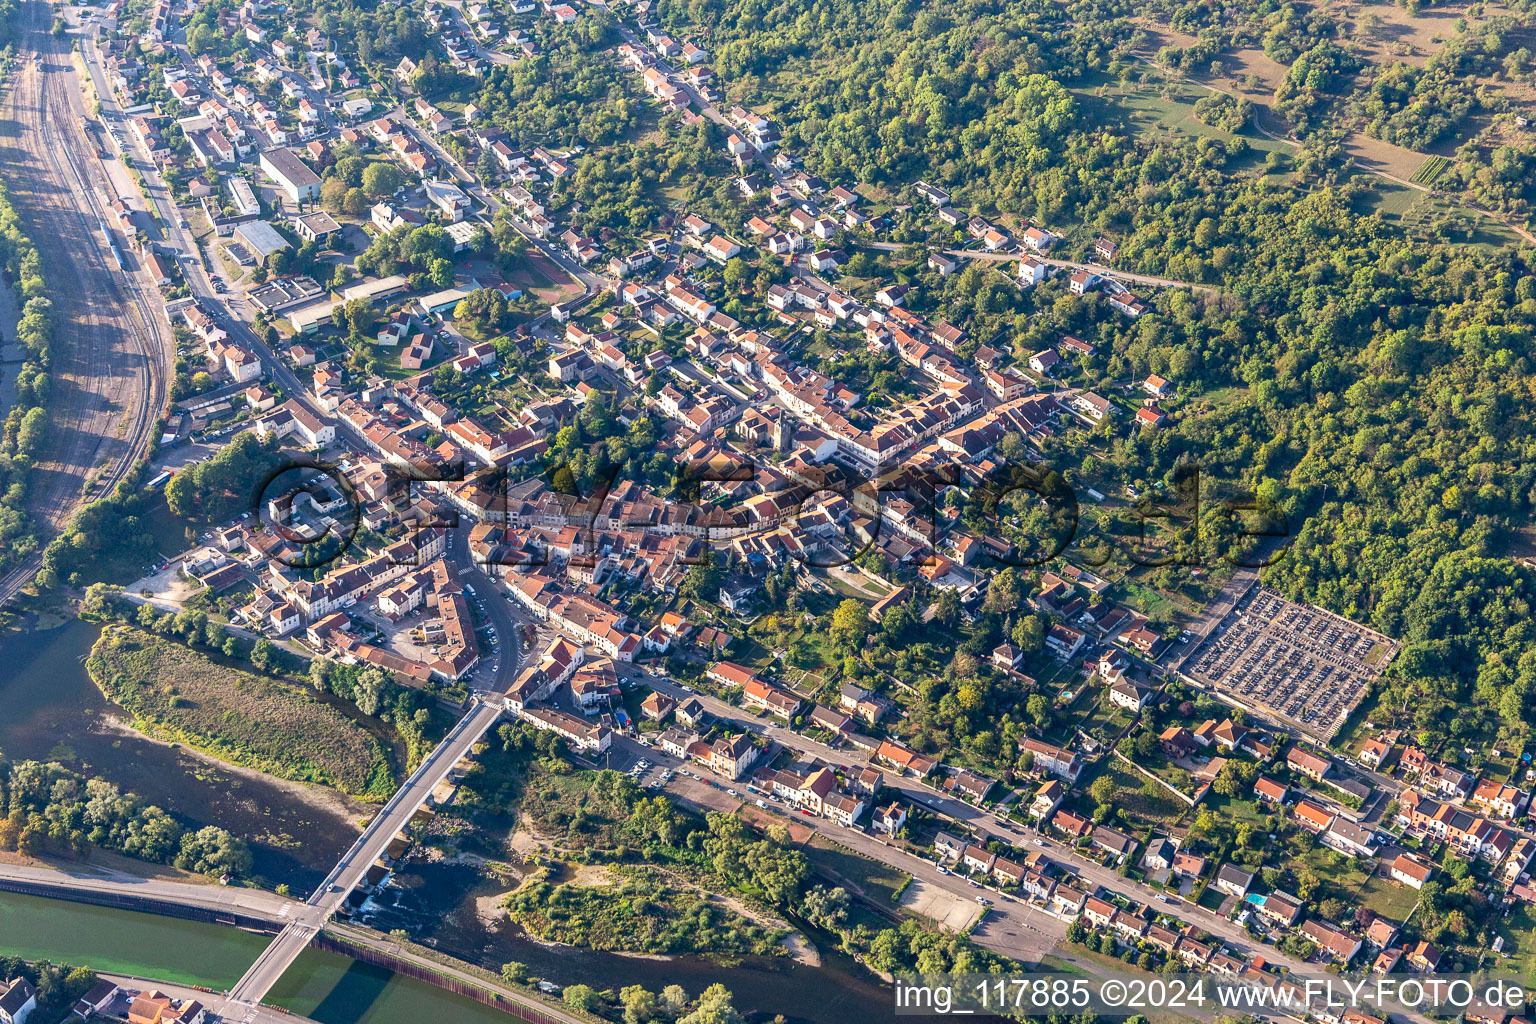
[[52, 810], [633, 909], [271, 724], [410, 711], [25, 431], [604, 818], [106, 539]]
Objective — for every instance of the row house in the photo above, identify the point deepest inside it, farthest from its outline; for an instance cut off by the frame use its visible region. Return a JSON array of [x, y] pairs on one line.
[[758, 694], [1336, 945], [904, 759], [537, 682], [732, 756], [1471, 835], [1433, 777], [583, 735], [1499, 800]]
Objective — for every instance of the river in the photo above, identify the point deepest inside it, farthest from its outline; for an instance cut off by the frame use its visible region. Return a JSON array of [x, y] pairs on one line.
[[55, 712], [334, 989], [436, 903], [329, 988]]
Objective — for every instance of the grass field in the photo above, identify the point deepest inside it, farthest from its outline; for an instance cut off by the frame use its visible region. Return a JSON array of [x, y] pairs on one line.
[[177, 694], [1421, 214], [1390, 899], [1519, 931], [877, 880], [1152, 107], [1142, 801]]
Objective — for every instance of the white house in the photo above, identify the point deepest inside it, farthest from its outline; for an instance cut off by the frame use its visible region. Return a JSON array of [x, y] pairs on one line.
[[17, 1001]]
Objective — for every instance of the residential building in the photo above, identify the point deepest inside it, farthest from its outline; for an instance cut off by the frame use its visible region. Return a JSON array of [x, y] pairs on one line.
[[1048, 758], [1411, 871], [17, 1001]]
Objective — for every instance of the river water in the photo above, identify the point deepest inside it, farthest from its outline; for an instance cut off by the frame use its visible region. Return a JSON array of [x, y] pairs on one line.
[[55, 712]]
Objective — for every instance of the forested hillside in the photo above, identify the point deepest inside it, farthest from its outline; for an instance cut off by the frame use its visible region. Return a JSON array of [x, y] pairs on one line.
[[1377, 389]]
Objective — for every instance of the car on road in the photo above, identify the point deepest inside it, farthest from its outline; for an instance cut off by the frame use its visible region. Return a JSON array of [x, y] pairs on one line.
[[942, 869]]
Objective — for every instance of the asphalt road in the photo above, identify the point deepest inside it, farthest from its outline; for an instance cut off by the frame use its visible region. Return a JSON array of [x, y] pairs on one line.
[[1013, 928], [502, 662], [82, 878]]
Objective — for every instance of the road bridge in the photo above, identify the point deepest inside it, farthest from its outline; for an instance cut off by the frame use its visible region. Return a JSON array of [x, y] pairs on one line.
[[307, 919]]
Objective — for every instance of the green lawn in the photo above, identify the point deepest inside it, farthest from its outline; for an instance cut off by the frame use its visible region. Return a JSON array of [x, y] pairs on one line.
[[1519, 931], [878, 881], [1152, 107], [1390, 899], [1242, 812]]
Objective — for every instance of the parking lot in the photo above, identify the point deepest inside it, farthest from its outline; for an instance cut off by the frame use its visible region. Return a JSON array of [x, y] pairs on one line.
[[1301, 664]]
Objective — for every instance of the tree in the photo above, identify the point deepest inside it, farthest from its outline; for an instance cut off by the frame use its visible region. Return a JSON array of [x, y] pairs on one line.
[[674, 999], [1038, 709], [483, 310], [264, 655], [736, 273], [714, 1007], [826, 908], [850, 623], [640, 1004], [369, 687], [349, 170], [1003, 593], [357, 316], [1102, 790], [201, 38], [380, 179], [333, 195], [947, 608], [213, 851], [581, 997], [703, 580], [514, 972]]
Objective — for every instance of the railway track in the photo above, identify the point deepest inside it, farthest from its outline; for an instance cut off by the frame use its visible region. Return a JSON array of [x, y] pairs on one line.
[[110, 361]]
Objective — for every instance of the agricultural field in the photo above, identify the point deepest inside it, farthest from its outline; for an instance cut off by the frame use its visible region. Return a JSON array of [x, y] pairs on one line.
[[1430, 169], [271, 725]]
